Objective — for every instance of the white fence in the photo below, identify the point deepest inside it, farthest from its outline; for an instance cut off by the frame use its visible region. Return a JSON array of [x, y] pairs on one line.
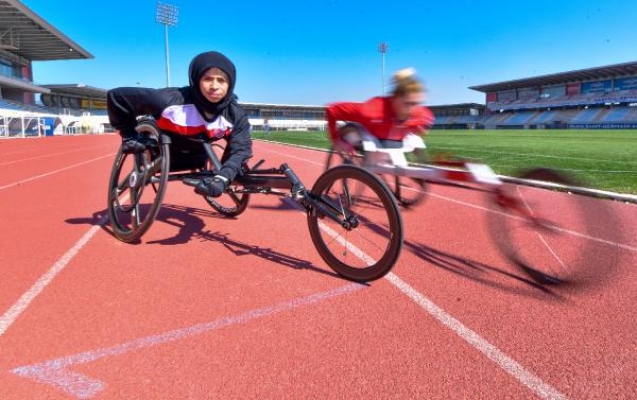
[[288, 124], [20, 124]]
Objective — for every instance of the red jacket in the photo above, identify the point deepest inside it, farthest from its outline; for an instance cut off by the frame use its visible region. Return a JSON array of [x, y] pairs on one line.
[[377, 116]]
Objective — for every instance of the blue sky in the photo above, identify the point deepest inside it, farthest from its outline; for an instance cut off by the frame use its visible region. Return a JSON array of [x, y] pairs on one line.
[[313, 52]]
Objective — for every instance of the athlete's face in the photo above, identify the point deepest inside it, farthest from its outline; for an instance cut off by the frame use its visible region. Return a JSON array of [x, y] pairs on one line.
[[214, 84], [404, 105]]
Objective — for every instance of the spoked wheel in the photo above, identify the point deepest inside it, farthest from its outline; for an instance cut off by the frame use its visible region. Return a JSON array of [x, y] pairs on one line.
[[543, 231], [408, 191], [136, 190], [232, 202], [337, 157], [365, 242]]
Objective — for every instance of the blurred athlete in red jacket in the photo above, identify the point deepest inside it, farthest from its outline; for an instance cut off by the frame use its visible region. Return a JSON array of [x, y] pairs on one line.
[[388, 118]]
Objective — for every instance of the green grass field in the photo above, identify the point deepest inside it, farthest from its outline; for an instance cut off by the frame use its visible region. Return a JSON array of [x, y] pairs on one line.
[[600, 159]]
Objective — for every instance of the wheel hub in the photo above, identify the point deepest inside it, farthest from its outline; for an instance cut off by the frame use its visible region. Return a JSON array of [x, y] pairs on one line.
[[133, 179]]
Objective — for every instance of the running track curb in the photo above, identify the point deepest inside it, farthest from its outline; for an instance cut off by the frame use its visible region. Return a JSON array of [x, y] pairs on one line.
[[627, 198]]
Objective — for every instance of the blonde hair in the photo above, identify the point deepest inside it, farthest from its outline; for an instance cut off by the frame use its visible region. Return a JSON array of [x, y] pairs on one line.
[[406, 82]]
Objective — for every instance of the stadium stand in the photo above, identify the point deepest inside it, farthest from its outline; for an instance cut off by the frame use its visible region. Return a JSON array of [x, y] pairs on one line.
[[601, 97], [26, 38]]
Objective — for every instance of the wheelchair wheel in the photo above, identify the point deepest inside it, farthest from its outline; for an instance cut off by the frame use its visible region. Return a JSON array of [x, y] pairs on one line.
[[365, 240], [543, 232], [337, 157], [408, 191], [229, 204], [136, 190], [232, 202]]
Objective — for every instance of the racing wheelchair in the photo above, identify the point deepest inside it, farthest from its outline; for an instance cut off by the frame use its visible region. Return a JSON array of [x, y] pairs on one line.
[[353, 219], [533, 218]]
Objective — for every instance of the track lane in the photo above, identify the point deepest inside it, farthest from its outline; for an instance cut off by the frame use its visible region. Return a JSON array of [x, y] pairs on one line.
[[106, 291]]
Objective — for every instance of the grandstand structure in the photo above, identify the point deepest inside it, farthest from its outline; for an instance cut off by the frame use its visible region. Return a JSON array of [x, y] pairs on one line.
[[601, 97], [458, 116], [26, 38], [285, 116], [594, 98]]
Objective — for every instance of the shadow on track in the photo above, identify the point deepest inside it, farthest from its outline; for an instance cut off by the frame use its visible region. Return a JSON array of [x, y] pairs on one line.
[[239, 248], [479, 272], [191, 224]]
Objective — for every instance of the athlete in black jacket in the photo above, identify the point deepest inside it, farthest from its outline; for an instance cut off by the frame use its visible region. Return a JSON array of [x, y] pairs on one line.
[[207, 105]]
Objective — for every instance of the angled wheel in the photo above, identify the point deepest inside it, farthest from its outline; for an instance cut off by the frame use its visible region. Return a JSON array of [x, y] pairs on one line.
[[364, 241], [338, 156], [544, 232], [136, 190], [233, 202], [408, 191]]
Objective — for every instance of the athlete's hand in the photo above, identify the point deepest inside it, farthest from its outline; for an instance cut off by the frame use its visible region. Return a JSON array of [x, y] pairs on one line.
[[137, 144], [213, 187]]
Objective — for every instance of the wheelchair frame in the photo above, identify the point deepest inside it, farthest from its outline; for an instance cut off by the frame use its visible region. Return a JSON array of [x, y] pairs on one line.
[[340, 197], [514, 223]]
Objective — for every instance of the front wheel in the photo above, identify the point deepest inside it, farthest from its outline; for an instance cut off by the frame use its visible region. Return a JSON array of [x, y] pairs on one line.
[[543, 232], [408, 191], [364, 241], [233, 202]]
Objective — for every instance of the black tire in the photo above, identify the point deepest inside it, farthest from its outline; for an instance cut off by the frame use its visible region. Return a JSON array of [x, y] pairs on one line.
[[408, 191], [136, 188], [369, 249], [232, 202], [229, 204], [336, 157], [540, 230]]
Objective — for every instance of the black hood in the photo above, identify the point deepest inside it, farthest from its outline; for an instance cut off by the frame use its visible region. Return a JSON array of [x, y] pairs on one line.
[[198, 66]]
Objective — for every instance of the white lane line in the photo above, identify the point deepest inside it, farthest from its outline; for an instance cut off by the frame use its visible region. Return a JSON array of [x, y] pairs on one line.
[[10, 185], [509, 365], [9, 317], [57, 373], [52, 155], [566, 231], [287, 155], [513, 368]]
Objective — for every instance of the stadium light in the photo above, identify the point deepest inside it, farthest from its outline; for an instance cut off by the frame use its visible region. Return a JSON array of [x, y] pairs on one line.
[[383, 48], [167, 16]]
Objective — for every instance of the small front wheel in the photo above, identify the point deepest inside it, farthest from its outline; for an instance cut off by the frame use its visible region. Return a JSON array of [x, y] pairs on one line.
[[233, 202], [364, 239], [408, 191]]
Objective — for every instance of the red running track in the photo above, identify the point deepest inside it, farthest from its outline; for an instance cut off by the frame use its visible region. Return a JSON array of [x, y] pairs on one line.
[[213, 308]]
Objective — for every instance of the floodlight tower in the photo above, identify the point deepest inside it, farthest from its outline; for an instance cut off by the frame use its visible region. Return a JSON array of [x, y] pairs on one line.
[[383, 48], [167, 16]]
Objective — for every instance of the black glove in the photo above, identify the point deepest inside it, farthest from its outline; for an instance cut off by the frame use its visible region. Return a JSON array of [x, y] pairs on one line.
[[213, 187], [137, 144]]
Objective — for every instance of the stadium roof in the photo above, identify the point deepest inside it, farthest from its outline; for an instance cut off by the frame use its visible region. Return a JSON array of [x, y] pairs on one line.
[[458, 105], [582, 75], [80, 90], [24, 33], [277, 106]]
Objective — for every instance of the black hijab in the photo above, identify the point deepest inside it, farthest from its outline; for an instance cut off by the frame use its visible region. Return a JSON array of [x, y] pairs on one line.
[[198, 66]]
